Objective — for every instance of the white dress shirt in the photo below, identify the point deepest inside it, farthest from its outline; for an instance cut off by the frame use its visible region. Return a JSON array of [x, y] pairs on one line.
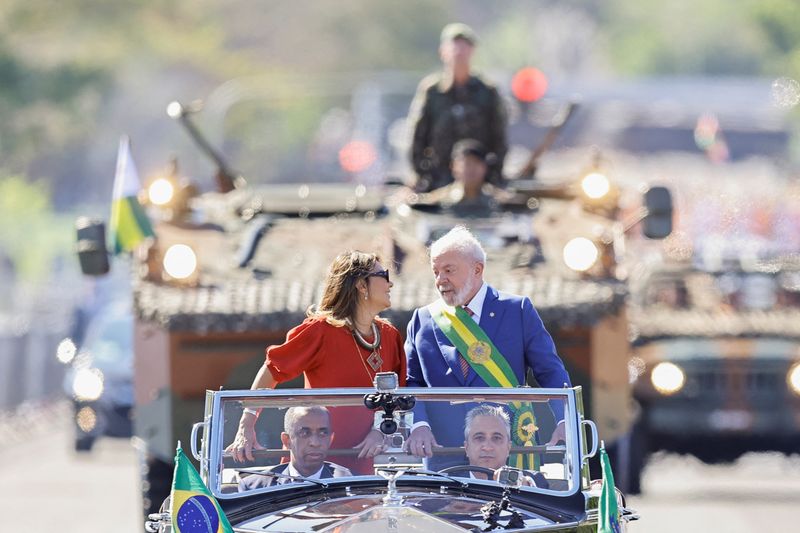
[[291, 471], [476, 304]]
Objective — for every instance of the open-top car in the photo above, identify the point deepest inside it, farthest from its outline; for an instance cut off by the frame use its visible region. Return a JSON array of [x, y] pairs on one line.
[[503, 476]]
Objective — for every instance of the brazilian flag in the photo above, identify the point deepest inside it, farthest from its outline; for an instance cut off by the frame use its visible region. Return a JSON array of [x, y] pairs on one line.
[[608, 512], [194, 509], [129, 223]]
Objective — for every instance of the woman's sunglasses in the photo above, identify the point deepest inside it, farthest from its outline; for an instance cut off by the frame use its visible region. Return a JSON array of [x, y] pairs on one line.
[[381, 273]]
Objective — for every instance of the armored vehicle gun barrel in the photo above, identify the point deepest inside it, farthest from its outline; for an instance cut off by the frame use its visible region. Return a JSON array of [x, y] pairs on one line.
[[225, 178], [558, 123]]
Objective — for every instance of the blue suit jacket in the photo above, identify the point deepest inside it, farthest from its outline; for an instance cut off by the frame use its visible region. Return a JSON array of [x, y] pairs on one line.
[[513, 325]]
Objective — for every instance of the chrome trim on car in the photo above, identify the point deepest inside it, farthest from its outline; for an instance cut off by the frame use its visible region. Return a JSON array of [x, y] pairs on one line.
[[193, 440]]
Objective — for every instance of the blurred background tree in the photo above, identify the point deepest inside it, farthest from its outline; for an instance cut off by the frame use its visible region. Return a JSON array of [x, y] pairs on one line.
[[75, 75], [33, 240]]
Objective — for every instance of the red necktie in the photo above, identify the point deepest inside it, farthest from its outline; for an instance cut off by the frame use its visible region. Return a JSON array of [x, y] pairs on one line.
[[463, 360]]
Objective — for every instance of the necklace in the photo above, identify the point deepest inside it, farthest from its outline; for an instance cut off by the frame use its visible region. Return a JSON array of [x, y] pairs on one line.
[[375, 361]]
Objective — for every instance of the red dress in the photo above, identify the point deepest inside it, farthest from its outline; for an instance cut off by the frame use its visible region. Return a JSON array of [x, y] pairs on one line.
[[329, 357]]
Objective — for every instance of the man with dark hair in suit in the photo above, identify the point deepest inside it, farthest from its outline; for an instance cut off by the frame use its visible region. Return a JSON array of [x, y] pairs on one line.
[[307, 435]]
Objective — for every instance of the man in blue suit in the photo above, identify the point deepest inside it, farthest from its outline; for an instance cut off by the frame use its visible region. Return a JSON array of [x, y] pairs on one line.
[[509, 321]]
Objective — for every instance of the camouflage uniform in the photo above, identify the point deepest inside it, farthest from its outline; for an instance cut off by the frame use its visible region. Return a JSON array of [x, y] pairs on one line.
[[442, 114]]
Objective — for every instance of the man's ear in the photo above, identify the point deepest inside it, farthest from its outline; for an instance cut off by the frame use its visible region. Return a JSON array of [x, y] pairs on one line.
[[286, 440], [479, 268]]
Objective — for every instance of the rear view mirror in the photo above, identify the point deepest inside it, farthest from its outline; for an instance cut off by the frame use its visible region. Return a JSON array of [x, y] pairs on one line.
[[91, 246], [658, 220]]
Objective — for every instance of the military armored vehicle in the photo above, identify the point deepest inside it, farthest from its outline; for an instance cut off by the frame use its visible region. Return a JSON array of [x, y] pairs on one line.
[[717, 359], [232, 271]]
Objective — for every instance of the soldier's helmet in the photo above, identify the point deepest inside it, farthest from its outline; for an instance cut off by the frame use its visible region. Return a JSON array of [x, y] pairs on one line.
[[458, 30]]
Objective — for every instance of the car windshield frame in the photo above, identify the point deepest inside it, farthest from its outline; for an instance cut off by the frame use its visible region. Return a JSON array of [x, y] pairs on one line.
[[211, 456]]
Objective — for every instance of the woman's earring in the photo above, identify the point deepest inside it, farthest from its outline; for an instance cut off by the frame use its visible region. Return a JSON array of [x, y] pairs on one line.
[[366, 295]]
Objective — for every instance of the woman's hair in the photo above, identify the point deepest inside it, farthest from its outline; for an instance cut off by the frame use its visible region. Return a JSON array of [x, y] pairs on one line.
[[340, 295]]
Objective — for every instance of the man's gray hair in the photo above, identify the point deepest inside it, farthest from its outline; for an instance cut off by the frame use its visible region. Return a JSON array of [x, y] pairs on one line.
[[487, 410], [293, 414], [461, 240]]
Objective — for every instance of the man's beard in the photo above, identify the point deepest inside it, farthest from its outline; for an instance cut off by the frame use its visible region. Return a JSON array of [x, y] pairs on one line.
[[460, 296]]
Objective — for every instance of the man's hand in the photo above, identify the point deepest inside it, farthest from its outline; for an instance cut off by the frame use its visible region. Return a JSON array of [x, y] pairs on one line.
[[241, 449], [421, 442], [559, 434], [372, 444]]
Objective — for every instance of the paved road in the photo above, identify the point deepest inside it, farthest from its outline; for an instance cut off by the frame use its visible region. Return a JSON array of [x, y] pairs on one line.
[[46, 487], [758, 493]]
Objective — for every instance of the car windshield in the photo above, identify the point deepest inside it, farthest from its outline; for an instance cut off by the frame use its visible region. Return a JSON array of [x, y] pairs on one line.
[[109, 340], [312, 434]]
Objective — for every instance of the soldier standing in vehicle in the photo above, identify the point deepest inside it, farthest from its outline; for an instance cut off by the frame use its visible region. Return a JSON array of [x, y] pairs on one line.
[[452, 105]]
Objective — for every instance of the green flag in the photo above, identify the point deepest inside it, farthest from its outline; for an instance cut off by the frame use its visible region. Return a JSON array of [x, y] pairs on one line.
[[194, 509], [608, 513]]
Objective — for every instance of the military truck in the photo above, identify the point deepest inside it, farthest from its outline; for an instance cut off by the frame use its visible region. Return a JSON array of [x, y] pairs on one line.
[[232, 271], [716, 366]]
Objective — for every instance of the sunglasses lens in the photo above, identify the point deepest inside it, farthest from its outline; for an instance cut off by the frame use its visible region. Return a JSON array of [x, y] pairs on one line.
[[383, 274]]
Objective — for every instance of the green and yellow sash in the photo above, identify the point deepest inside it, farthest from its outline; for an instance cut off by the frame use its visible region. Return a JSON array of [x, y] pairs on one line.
[[487, 361]]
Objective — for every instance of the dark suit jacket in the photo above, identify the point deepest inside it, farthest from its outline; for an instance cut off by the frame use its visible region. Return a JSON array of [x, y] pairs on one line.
[[513, 325], [256, 481]]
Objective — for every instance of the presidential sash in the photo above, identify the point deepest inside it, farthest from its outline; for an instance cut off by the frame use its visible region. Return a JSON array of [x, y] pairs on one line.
[[483, 356]]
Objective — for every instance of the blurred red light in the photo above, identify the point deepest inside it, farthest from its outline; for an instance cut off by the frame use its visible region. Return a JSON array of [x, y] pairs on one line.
[[529, 84], [357, 156]]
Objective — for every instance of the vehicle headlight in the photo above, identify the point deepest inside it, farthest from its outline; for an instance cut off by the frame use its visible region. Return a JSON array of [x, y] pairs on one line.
[[793, 378], [580, 254], [667, 378], [161, 191], [595, 185], [180, 261], [66, 351], [88, 384], [86, 419]]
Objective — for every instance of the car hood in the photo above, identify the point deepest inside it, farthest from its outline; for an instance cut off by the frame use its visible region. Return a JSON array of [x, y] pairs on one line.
[[357, 509]]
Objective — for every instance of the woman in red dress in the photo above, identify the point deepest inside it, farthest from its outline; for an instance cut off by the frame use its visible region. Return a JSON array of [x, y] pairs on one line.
[[342, 343]]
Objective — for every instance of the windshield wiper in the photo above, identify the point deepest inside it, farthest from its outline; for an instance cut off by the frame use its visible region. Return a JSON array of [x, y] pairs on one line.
[[281, 476], [424, 472]]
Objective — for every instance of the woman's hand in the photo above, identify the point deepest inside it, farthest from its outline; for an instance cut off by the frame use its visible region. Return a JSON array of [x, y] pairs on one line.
[[372, 444], [241, 449]]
